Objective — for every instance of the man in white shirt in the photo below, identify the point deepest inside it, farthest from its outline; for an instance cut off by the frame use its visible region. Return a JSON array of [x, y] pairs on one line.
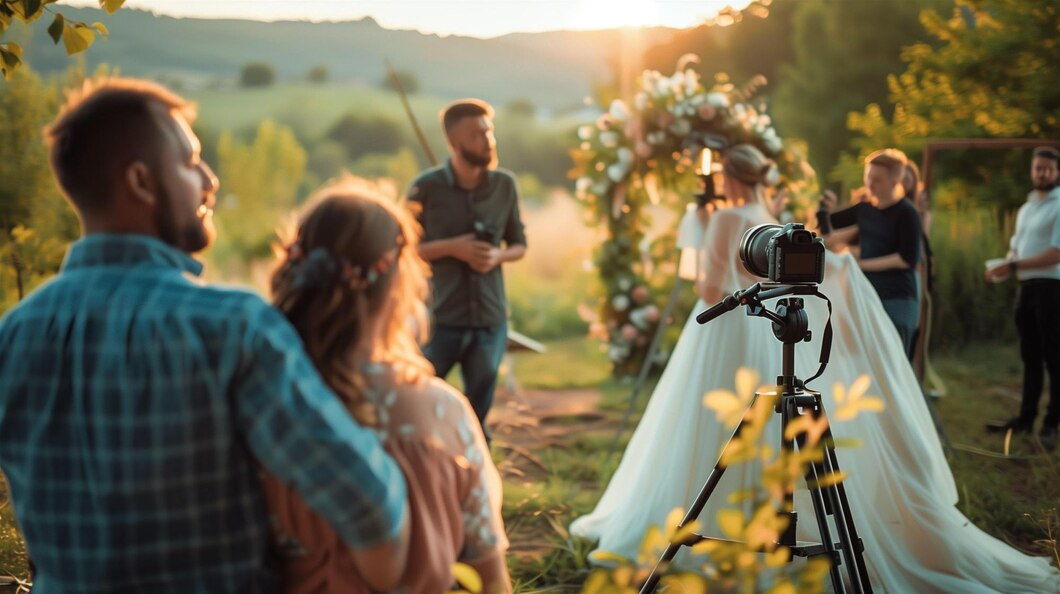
[[1034, 256]]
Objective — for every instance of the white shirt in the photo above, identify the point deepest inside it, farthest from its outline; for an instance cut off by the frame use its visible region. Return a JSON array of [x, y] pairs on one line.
[[1037, 230]]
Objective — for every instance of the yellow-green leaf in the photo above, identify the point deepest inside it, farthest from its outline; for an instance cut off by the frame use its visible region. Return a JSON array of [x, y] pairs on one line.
[[608, 556], [467, 577], [684, 532], [98, 26], [731, 522], [832, 478], [12, 48], [30, 8], [706, 546], [111, 6], [683, 583], [10, 59], [778, 558], [746, 382], [77, 39], [783, 587], [55, 30]]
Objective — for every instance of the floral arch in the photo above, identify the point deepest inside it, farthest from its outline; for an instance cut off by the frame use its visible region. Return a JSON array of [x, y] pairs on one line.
[[641, 154]]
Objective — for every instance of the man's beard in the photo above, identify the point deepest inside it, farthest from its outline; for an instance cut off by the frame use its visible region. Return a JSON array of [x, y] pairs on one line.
[[476, 159], [1047, 186], [191, 238]]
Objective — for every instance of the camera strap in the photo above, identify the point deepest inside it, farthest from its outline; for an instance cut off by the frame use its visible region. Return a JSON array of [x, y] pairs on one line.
[[826, 341]]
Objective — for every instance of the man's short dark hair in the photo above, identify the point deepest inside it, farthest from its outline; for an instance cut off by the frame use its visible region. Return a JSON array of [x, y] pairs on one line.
[[1047, 152], [464, 108], [102, 128]]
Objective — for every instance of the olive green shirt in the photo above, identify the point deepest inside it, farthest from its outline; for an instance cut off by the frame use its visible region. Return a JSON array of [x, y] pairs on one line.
[[461, 296]]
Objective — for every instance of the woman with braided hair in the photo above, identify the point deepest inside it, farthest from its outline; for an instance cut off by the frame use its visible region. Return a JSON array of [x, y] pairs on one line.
[[351, 283]]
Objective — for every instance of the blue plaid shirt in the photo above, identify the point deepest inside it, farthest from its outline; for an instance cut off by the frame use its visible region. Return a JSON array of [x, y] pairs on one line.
[[133, 403]]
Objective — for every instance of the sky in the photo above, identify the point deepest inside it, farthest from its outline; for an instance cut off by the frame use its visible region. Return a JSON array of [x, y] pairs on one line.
[[479, 18]]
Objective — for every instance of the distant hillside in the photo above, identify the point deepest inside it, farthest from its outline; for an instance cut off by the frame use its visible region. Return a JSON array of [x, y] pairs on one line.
[[553, 70]]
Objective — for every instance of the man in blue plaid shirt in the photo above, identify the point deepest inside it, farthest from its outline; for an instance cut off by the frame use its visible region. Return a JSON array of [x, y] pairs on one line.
[[136, 403]]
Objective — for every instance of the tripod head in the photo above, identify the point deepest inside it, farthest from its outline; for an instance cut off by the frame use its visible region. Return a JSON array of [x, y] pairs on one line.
[[790, 322]]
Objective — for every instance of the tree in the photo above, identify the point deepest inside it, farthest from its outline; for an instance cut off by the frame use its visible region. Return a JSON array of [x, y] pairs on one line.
[[318, 75], [36, 224], [843, 53], [361, 136], [409, 82], [259, 187], [75, 35], [754, 41], [257, 74], [994, 75], [520, 108]]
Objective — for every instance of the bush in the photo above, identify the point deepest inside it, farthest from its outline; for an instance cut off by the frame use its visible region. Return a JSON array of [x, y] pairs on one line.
[[363, 135], [318, 75], [257, 74]]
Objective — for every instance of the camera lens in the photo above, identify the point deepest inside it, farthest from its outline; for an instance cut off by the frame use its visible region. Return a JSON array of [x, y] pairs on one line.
[[753, 248]]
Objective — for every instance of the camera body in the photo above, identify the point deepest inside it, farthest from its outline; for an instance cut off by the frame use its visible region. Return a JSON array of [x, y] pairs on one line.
[[787, 254], [484, 231]]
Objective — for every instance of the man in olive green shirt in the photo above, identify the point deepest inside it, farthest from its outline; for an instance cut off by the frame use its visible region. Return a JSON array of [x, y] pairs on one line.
[[467, 208]]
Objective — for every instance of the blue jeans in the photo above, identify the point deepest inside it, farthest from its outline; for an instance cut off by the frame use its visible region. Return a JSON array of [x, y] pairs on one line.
[[479, 352], [905, 313]]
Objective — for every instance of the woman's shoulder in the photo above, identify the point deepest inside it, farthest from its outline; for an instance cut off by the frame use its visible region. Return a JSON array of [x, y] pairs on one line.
[[426, 409]]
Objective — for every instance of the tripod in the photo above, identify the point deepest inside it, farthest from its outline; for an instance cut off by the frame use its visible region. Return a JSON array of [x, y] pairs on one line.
[[790, 326]]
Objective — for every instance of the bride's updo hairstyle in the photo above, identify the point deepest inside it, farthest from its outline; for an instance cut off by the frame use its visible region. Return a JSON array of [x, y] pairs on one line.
[[747, 174], [747, 164]]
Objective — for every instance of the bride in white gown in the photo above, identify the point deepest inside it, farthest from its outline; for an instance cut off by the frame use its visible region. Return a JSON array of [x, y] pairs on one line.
[[901, 491]]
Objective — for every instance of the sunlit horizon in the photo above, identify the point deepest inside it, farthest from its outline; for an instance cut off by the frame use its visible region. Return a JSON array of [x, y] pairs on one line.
[[475, 18]]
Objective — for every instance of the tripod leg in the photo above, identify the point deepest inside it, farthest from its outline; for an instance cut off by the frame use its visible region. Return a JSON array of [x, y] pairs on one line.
[[693, 514], [853, 546], [821, 509]]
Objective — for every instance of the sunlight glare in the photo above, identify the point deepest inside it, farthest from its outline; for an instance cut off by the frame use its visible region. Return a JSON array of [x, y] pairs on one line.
[[606, 14]]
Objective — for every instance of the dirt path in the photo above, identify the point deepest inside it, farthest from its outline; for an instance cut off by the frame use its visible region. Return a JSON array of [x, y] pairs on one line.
[[525, 423]]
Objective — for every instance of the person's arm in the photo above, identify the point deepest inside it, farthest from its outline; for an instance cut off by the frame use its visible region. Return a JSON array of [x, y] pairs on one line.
[[837, 228], [514, 239], [1050, 257], [462, 247], [840, 237], [301, 433], [1000, 272], [880, 263]]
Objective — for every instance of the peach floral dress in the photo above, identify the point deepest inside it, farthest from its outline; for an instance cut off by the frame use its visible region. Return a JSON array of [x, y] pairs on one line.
[[453, 486]]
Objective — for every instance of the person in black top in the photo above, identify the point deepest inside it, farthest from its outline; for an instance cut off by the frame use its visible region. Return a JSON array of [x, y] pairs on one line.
[[468, 208], [889, 230]]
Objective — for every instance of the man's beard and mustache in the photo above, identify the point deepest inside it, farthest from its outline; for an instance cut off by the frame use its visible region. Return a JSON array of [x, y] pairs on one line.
[[191, 238], [477, 159], [1046, 186]]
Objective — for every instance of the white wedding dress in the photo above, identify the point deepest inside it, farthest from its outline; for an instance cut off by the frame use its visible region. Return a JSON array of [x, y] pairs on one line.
[[900, 488]]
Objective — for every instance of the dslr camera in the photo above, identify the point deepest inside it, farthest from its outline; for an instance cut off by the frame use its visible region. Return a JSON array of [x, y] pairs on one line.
[[484, 231], [787, 254]]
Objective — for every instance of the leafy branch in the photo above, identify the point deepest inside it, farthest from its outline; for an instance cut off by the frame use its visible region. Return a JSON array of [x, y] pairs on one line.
[[76, 36]]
